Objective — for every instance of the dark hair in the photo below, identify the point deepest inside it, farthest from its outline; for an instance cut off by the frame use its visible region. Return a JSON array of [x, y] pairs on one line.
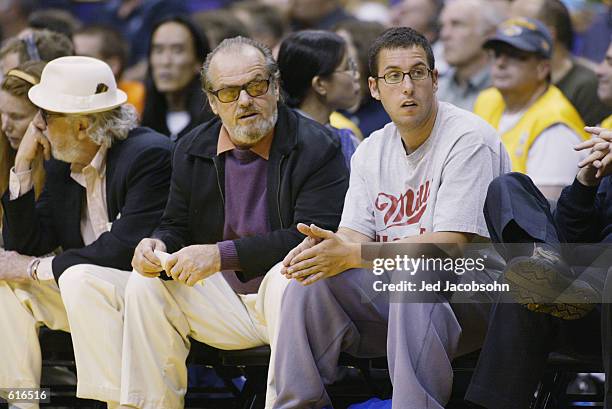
[[399, 37], [305, 54], [155, 107], [112, 42], [554, 13], [58, 20]]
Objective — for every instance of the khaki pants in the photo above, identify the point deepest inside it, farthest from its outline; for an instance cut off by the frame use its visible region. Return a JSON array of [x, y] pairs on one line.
[[92, 307], [93, 296], [161, 316]]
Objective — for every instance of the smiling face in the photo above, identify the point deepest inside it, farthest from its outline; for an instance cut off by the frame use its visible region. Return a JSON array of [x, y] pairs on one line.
[[248, 119], [411, 102], [16, 113], [173, 58]]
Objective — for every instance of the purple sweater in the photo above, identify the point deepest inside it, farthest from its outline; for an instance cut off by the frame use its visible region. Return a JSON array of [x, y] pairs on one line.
[[246, 211]]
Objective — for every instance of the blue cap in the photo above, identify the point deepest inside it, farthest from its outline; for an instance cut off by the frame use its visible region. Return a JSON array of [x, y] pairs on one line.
[[526, 34]]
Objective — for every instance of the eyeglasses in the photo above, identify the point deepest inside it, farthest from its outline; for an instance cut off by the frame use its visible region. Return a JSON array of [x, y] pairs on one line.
[[352, 68], [255, 88], [396, 76]]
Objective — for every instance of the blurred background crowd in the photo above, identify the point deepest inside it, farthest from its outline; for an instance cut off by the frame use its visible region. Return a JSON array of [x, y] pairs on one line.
[[158, 65]]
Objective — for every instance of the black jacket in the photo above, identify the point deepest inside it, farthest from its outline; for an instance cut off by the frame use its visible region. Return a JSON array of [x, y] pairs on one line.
[[307, 181], [137, 180]]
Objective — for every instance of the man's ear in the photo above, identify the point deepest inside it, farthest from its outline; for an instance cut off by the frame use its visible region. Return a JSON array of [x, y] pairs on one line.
[[373, 85], [210, 98], [434, 79], [543, 69], [80, 124]]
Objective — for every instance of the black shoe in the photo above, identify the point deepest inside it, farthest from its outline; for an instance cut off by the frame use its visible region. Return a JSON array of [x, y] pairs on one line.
[[543, 283]]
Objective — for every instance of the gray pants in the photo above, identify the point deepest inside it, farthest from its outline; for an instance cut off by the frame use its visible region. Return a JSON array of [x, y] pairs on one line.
[[341, 314]]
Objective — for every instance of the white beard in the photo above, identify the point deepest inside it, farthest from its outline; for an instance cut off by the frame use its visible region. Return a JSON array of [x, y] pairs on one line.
[[249, 135]]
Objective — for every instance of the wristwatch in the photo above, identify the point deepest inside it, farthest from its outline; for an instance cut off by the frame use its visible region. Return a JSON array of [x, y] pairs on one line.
[[33, 268]]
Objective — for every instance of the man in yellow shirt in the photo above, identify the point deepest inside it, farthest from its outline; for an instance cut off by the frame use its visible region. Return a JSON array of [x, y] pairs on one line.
[[538, 125]]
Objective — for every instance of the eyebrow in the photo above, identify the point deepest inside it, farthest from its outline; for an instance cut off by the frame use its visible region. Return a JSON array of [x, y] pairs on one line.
[[395, 67], [255, 78]]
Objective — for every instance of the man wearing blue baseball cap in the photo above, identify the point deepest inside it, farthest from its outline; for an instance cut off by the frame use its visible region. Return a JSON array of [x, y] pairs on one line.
[[534, 118]]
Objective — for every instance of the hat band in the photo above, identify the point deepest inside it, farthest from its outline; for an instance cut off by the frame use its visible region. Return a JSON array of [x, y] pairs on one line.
[[30, 79]]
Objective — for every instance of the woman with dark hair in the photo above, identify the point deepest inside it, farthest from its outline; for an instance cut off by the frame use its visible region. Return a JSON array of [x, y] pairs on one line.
[[175, 103], [319, 77]]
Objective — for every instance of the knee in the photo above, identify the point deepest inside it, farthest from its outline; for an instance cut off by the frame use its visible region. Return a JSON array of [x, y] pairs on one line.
[[72, 282], [139, 287]]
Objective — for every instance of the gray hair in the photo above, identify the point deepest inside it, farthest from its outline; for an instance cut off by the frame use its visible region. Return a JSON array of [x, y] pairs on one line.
[[490, 17], [234, 44], [114, 125]]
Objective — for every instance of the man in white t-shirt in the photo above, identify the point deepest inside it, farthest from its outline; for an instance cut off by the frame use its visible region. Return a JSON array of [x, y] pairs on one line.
[[421, 179]]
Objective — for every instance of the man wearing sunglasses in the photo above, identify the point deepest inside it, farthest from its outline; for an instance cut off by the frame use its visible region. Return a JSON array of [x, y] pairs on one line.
[[240, 185], [535, 120], [106, 187]]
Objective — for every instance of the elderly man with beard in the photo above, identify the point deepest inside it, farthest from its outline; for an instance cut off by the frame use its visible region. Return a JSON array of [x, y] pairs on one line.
[[106, 188], [241, 183]]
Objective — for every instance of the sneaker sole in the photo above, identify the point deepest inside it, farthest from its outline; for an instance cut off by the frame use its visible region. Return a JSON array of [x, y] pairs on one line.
[[538, 287]]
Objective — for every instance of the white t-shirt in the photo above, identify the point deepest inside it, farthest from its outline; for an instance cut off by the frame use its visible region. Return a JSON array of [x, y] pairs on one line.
[[551, 160], [441, 186], [177, 121]]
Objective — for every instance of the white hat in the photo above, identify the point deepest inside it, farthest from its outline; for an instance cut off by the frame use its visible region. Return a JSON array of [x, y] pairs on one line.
[[77, 85]]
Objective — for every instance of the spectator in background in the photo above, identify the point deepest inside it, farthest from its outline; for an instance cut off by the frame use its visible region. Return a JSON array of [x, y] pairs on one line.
[[14, 16], [106, 44], [577, 82], [57, 20], [318, 77], [368, 114], [465, 26], [218, 25], [317, 14], [423, 16], [538, 125], [604, 85], [35, 45], [175, 103], [264, 22], [16, 113]]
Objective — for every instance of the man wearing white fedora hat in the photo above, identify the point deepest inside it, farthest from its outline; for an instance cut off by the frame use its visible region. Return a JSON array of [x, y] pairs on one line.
[[106, 189]]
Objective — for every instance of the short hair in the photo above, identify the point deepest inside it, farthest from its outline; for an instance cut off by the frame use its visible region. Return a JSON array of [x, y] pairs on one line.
[[58, 20], [395, 38], [235, 44], [109, 126], [19, 87], [305, 54], [219, 25], [49, 45], [112, 42], [555, 14]]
